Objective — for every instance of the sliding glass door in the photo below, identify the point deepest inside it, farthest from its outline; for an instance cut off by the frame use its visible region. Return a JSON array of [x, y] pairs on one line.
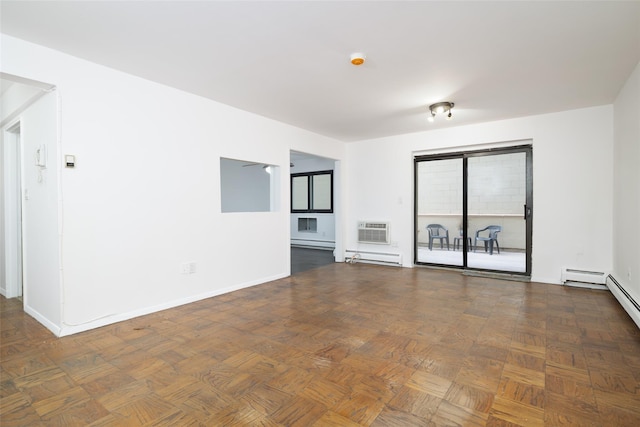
[[473, 210], [439, 216]]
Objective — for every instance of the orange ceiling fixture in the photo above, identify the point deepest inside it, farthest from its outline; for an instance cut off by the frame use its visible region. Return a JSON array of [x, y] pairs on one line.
[[358, 58]]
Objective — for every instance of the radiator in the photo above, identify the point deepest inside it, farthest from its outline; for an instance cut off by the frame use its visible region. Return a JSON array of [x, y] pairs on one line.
[[583, 278], [370, 257], [627, 302]]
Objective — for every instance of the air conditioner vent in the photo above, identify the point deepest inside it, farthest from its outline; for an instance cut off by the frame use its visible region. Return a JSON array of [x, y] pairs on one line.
[[373, 232]]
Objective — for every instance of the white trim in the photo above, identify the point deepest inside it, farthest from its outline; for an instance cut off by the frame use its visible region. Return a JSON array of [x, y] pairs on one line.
[[353, 256], [11, 117], [47, 87], [473, 147], [323, 244], [74, 329], [493, 215], [12, 189], [40, 318], [623, 299], [585, 285]]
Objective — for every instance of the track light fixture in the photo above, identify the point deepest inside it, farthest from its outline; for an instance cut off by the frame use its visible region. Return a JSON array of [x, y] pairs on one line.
[[440, 108]]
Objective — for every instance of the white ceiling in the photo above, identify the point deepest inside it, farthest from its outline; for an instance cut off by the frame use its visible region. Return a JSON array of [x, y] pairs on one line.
[[290, 60]]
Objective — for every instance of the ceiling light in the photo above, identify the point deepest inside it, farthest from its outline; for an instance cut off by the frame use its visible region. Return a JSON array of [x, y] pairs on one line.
[[358, 58], [440, 108]]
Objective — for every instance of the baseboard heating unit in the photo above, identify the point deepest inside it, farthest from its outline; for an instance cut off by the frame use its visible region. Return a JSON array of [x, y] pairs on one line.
[[627, 302], [584, 278], [371, 257]]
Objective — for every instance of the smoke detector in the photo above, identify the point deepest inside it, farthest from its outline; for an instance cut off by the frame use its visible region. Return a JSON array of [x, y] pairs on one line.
[[357, 58]]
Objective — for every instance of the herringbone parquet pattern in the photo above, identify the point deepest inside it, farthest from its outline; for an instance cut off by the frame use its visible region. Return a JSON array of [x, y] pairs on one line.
[[340, 345]]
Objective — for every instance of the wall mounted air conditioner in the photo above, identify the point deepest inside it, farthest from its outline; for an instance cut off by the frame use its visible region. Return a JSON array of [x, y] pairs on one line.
[[373, 232]]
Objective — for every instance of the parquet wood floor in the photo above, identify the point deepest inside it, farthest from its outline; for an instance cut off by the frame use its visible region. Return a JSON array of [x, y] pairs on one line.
[[340, 345]]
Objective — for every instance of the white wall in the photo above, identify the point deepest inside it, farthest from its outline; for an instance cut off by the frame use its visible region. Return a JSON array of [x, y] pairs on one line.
[[40, 239], [144, 196], [39, 199], [322, 237], [12, 102], [17, 97], [626, 188], [572, 181]]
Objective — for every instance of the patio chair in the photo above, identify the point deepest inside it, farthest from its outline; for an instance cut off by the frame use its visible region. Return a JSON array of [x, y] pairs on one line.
[[489, 240], [438, 232]]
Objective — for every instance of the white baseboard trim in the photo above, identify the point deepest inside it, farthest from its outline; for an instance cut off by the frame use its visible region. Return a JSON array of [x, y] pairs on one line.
[[585, 285], [546, 280], [74, 329], [627, 302], [55, 329], [320, 244]]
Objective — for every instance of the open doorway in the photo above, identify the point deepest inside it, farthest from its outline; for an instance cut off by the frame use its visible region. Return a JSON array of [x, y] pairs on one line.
[[29, 207], [313, 223], [12, 211]]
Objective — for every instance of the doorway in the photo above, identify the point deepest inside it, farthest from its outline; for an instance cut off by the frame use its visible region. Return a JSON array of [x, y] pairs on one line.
[[314, 202], [12, 203], [473, 210]]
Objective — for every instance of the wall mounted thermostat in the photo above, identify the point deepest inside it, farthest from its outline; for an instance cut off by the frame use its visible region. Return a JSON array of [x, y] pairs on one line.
[[69, 160]]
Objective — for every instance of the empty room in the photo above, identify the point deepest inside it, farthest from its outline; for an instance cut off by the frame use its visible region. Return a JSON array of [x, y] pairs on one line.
[[319, 213]]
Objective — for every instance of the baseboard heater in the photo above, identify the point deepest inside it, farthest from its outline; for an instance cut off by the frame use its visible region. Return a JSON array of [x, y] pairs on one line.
[[371, 257], [627, 302], [584, 278], [310, 243]]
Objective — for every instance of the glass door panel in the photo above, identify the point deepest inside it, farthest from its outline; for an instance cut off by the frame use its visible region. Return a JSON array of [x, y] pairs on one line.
[[496, 199], [439, 195]]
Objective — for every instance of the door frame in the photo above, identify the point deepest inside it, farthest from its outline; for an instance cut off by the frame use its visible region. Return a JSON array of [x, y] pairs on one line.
[[528, 208], [13, 205]]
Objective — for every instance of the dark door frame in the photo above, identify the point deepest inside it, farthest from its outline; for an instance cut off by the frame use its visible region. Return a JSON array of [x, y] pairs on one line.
[[465, 155]]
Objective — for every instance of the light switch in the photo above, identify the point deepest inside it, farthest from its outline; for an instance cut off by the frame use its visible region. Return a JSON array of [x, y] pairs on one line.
[[69, 160]]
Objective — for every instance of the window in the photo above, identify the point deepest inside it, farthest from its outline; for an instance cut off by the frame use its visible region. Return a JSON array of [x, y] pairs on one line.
[[312, 192]]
